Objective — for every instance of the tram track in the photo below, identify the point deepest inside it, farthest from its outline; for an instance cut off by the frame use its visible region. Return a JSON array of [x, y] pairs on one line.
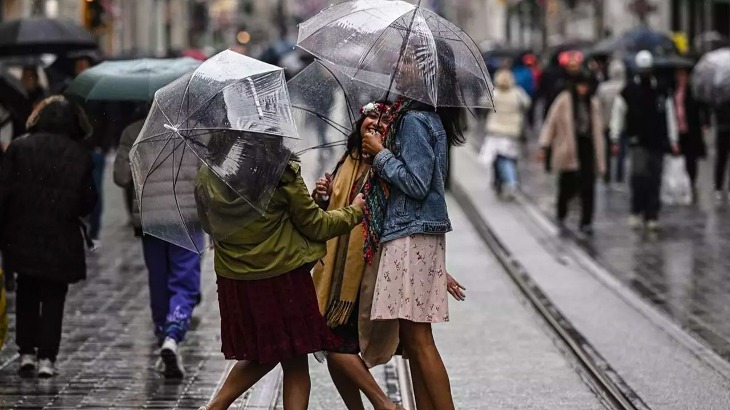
[[593, 369]]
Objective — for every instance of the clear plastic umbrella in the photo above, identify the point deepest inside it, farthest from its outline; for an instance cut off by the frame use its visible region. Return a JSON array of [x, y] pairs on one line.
[[402, 49], [711, 77], [232, 115], [326, 104]]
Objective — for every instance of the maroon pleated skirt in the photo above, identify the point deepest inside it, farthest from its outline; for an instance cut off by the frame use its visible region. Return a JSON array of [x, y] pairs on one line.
[[271, 320]]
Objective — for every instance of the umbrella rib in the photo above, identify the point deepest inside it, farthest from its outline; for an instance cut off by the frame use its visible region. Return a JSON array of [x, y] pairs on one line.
[[323, 146], [326, 120], [372, 46], [486, 75], [400, 54]]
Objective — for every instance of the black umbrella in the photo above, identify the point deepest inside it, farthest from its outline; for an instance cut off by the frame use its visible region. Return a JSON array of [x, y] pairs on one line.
[[39, 35], [634, 41]]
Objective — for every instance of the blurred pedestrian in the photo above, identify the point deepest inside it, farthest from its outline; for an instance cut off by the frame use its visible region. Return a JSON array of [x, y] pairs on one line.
[[504, 128], [574, 131], [268, 304], [607, 93], [645, 112], [32, 85], [173, 272], [691, 121], [46, 188], [557, 79], [407, 217], [122, 169], [722, 141]]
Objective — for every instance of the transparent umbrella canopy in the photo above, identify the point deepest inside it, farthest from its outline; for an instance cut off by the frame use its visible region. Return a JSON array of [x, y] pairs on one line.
[[326, 104], [232, 115], [711, 77], [402, 49]]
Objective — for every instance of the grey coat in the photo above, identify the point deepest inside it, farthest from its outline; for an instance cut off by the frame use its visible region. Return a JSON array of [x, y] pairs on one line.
[[165, 190]]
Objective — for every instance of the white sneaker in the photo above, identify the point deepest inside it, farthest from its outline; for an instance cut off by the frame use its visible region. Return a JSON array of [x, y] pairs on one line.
[[28, 365], [46, 368], [171, 357], [634, 222]]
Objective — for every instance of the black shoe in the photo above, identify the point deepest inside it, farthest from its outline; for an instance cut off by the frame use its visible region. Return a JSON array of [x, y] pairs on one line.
[[586, 230]]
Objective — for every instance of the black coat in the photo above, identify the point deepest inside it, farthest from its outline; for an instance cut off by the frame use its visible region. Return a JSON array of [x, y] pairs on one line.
[[46, 187], [692, 143]]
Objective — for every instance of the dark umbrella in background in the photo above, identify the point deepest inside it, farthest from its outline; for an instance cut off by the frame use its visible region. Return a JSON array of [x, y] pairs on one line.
[[633, 41], [130, 80], [41, 35]]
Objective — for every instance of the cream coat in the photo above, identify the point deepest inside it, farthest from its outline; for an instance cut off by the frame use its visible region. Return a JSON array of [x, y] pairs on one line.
[[558, 132], [510, 102]]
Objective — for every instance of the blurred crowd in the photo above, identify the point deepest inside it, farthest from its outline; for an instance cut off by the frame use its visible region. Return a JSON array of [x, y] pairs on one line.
[[629, 103]]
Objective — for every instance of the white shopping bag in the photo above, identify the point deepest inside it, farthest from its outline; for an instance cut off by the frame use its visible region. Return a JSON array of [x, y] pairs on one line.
[[676, 186]]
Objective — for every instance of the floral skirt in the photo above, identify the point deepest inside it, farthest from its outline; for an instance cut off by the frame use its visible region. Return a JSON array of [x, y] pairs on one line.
[[271, 320], [411, 280]]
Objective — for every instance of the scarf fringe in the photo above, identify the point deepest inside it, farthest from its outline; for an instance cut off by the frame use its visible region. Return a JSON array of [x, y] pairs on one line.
[[338, 312]]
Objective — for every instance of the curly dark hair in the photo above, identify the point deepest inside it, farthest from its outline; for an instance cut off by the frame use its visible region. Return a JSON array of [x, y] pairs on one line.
[[354, 140], [58, 115]]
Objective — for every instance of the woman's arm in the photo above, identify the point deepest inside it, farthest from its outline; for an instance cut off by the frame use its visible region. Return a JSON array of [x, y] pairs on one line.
[[314, 223], [412, 174]]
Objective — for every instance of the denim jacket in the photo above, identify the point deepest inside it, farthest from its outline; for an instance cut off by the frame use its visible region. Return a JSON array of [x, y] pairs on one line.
[[416, 173]]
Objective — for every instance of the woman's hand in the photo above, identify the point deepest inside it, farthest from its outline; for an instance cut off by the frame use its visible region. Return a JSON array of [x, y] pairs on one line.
[[455, 288], [359, 202], [324, 187], [372, 143]]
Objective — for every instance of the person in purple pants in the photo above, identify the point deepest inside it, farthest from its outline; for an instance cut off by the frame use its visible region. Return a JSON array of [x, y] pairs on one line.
[[174, 272]]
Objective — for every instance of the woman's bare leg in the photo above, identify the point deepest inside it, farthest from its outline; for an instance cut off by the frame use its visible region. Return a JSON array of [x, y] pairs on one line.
[[352, 377], [296, 383], [423, 398], [418, 342], [349, 392], [242, 377]]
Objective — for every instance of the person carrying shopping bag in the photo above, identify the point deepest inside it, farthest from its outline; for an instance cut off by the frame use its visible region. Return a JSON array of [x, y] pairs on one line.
[[645, 112], [573, 132], [504, 129]]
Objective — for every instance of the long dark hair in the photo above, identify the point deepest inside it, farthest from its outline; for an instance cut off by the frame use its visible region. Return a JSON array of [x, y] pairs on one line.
[[451, 117]]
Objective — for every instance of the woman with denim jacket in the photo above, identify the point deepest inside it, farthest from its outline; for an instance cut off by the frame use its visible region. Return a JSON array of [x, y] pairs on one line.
[[406, 215]]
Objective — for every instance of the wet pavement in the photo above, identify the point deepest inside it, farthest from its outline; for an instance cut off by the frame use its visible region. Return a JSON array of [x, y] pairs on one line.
[[684, 270]]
